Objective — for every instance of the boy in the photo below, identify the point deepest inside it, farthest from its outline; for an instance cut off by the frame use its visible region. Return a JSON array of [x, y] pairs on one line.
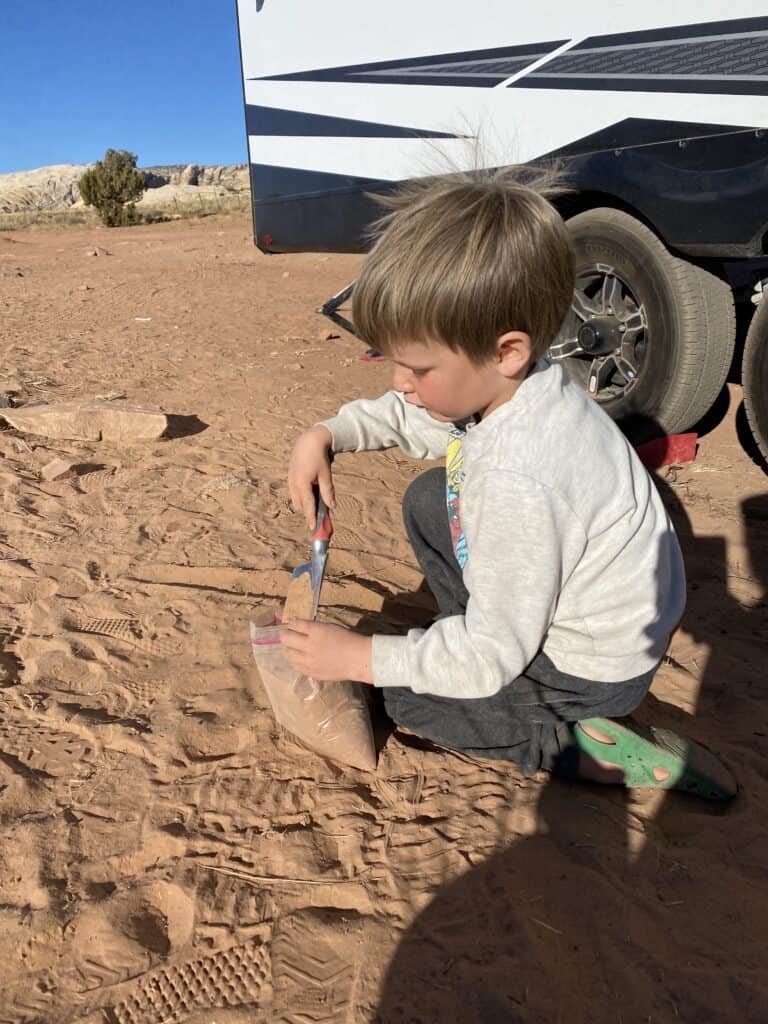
[[554, 564]]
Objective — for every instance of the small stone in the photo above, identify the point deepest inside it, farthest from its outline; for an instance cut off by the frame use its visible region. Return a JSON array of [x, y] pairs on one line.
[[328, 334], [56, 470], [84, 288], [111, 396]]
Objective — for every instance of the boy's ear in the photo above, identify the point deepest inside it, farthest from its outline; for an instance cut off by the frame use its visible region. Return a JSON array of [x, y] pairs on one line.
[[514, 353]]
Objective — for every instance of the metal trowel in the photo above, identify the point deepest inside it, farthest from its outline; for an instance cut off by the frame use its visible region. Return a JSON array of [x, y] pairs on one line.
[[315, 568]]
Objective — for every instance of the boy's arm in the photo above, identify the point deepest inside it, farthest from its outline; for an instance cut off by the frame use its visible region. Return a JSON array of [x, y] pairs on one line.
[[523, 543], [373, 424]]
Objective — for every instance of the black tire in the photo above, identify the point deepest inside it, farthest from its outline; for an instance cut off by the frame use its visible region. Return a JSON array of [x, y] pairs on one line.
[[686, 345], [719, 343], [754, 377]]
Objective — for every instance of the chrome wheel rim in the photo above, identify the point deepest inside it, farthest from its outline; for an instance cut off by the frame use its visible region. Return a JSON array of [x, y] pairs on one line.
[[604, 337]]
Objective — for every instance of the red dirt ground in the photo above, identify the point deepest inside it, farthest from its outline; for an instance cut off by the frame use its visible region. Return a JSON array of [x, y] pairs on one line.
[[167, 852]]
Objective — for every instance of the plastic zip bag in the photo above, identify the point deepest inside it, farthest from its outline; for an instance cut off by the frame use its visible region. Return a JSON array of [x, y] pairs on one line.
[[330, 717]]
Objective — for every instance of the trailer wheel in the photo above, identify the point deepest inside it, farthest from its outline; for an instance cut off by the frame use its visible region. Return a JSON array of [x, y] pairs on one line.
[[649, 335], [754, 377]]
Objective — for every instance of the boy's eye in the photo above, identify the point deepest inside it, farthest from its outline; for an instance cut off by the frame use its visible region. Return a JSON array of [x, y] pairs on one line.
[[419, 373]]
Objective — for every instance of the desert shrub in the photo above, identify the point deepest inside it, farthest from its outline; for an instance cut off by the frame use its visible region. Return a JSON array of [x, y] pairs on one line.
[[113, 186]]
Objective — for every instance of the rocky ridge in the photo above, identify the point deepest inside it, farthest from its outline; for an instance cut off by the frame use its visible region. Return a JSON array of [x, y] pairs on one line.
[[55, 188]]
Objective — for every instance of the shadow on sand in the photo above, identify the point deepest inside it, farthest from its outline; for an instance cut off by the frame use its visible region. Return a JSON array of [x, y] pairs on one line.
[[624, 908], [183, 426]]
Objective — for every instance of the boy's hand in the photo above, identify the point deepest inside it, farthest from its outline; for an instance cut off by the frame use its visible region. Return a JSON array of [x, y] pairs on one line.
[[310, 463], [327, 652]]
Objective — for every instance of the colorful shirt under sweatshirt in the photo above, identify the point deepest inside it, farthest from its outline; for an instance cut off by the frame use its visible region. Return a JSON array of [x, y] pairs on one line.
[[454, 484], [564, 543]]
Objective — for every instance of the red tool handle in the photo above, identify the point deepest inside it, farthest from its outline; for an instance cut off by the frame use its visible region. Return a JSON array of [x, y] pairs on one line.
[[324, 526]]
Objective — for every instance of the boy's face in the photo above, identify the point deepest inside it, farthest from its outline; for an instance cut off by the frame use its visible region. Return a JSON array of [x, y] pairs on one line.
[[451, 387]]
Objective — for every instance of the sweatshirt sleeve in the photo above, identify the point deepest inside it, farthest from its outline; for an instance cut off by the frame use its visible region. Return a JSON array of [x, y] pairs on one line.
[[386, 422], [523, 543]]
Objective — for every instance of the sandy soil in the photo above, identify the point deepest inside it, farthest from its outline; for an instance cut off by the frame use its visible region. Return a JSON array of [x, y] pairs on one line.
[[166, 850]]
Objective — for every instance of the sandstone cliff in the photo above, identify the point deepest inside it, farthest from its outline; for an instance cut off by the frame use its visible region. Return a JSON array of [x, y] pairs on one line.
[[55, 188]]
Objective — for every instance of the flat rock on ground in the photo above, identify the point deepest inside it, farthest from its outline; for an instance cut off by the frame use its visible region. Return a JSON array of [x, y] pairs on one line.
[[89, 421]]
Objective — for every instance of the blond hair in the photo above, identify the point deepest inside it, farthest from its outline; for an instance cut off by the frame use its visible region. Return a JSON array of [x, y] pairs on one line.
[[462, 259]]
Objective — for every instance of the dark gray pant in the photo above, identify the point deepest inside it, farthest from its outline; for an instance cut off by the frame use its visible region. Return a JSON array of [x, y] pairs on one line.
[[527, 721]]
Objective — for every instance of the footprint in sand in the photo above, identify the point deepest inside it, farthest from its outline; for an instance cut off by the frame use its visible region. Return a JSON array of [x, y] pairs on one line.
[[102, 955], [129, 631], [21, 871], [311, 980], [146, 692], [233, 977], [103, 794], [347, 507], [44, 749], [28, 1001], [90, 478]]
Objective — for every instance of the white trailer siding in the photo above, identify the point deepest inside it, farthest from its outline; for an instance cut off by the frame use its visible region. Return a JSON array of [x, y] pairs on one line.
[[346, 100]]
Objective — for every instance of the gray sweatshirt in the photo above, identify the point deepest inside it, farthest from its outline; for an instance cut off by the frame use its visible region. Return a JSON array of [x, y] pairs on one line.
[[568, 546]]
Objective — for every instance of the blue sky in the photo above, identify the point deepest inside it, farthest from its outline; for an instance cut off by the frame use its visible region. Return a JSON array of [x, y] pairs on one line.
[[161, 79]]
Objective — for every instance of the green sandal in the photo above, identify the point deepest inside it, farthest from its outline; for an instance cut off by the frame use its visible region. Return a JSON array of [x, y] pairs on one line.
[[638, 749]]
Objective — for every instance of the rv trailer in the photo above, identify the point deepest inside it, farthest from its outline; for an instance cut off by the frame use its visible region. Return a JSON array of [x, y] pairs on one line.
[[656, 113]]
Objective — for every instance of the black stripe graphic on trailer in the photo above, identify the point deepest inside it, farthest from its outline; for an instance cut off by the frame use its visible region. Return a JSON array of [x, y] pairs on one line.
[[471, 68], [719, 87], [276, 121], [736, 57], [639, 133], [272, 183], [724, 57], [735, 26], [302, 210]]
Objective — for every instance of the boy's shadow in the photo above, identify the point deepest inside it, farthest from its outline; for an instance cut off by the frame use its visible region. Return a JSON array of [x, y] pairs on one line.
[[617, 911]]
